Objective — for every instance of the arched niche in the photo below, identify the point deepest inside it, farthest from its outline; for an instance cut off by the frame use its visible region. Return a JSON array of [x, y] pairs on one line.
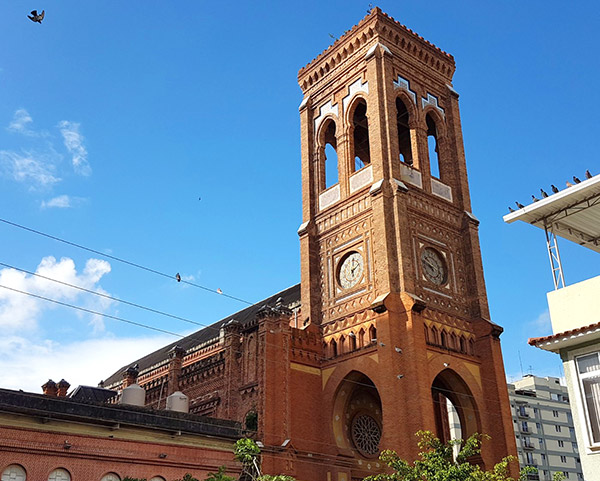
[[357, 415]]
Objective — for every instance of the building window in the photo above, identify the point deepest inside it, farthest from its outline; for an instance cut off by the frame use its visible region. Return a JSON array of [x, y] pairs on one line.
[[529, 458], [524, 426], [157, 478], [588, 368], [360, 136], [404, 142], [563, 459], [557, 428], [14, 472], [433, 146], [555, 413], [538, 426], [111, 477], [59, 475], [561, 444], [329, 162], [535, 410]]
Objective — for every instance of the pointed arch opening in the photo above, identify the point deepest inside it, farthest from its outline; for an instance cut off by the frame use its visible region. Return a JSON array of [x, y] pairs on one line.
[[329, 157], [456, 413], [360, 136], [404, 142], [372, 334], [433, 146]]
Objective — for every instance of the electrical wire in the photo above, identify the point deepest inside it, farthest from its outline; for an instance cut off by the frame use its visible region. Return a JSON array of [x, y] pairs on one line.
[[124, 261], [106, 296]]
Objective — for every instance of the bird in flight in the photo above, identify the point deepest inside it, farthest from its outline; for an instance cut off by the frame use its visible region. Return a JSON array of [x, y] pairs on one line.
[[34, 17]]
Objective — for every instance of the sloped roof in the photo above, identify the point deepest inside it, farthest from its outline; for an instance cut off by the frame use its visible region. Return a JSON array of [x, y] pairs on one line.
[[570, 338], [92, 394], [289, 297]]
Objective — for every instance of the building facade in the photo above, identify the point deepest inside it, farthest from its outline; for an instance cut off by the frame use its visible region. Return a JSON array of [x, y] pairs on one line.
[[390, 326], [56, 438], [544, 428]]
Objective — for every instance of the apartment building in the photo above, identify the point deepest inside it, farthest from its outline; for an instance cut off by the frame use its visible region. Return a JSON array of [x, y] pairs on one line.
[[544, 427]]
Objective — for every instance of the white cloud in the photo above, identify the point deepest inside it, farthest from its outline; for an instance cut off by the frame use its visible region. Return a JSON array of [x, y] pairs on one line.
[[26, 364], [29, 167], [20, 312], [73, 141], [541, 324], [21, 122], [61, 202]]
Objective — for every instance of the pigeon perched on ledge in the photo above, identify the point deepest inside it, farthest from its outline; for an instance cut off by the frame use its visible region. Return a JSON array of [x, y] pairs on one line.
[[34, 17]]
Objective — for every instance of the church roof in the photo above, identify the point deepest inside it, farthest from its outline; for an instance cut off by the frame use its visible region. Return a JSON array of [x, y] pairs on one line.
[[290, 297]]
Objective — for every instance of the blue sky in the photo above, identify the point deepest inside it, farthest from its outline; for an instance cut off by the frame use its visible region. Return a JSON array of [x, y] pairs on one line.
[[167, 134]]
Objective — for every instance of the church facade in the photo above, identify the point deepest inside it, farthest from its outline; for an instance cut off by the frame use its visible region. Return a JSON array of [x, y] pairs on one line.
[[389, 329]]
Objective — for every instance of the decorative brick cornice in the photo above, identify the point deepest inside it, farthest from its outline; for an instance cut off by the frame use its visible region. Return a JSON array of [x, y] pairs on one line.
[[383, 27]]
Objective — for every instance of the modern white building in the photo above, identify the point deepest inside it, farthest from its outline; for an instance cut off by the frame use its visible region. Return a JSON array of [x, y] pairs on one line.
[[544, 428], [574, 214]]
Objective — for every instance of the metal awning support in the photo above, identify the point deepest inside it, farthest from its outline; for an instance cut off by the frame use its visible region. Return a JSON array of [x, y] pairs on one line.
[[554, 255]]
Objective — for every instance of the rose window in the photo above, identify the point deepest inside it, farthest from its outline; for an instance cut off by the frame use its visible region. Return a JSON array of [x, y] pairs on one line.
[[366, 434]]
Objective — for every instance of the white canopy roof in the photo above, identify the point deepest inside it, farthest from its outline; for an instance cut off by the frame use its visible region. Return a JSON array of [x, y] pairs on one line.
[[573, 213]]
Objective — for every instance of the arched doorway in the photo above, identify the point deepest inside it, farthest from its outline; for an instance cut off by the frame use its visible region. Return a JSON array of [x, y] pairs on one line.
[[357, 416], [456, 414]]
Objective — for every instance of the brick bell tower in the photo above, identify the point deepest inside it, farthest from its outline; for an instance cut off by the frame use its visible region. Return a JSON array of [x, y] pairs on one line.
[[391, 266]]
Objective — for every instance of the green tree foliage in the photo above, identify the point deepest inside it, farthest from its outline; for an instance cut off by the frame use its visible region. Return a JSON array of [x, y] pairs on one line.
[[219, 475], [188, 477], [247, 452], [437, 463]]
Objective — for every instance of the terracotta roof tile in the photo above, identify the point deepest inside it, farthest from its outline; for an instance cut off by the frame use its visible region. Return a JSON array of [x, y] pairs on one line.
[[535, 341]]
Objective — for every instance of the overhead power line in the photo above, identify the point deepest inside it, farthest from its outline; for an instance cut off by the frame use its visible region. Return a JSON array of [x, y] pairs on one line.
[[106, 296], [90, 311], [124, 261]]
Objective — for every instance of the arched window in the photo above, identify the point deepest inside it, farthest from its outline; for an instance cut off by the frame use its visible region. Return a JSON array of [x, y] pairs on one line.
[[14, 472], [463, 345], [360, 136], [433, 146], [251, 421], [342, 345], [471, 347], [372, 334], [444, 338], [361, 338], [110, 477], [157, 478], [330, 157], [59, 475], [453, 342], [427, 338], [404, 144], [333, 348], [352, 341], [434, 336]]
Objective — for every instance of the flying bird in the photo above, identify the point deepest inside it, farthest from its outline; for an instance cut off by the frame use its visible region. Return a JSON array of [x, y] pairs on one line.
[[510, 209], [519, 205], [576, 180], [178, 277], [534, 198], [544, 194], [588, 174], [34, 17], [555, 189]]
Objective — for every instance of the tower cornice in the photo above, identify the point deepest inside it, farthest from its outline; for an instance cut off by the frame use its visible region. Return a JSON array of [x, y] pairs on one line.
[[375, 27]]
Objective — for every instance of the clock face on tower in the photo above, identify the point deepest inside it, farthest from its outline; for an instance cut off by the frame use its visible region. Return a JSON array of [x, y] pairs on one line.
[[350, 270], [434, 266]]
